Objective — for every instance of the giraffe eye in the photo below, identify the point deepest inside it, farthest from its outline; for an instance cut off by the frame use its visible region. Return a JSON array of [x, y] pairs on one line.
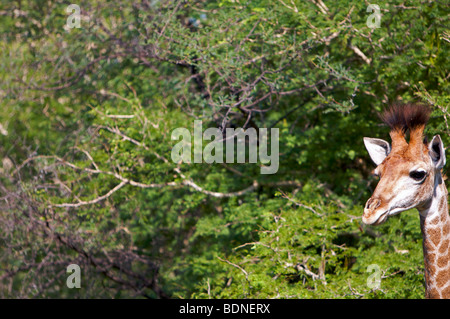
[[417, 175]]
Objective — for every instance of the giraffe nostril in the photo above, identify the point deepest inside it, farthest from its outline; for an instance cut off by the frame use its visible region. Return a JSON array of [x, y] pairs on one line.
[[373, 203]]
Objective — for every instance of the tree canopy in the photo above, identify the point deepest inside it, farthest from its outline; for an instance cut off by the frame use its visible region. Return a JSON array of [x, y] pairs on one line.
[[91, 94]]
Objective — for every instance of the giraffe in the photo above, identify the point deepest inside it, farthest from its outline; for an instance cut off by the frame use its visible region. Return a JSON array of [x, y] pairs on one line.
[[410, 177]]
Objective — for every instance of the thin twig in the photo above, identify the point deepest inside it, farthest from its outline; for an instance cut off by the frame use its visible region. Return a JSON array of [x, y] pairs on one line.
[[299, 204]]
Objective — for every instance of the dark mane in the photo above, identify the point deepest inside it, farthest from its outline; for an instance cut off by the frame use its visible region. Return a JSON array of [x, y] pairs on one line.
[[406, 116]]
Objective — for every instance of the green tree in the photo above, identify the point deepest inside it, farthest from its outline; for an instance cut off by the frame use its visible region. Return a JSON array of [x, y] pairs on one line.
[[86, 119]]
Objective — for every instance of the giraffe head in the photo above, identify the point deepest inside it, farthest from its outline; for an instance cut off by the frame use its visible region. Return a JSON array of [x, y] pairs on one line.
[[407, 170]]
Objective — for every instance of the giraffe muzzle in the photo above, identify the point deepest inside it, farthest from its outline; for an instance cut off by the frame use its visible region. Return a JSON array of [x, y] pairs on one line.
[[374, 214]]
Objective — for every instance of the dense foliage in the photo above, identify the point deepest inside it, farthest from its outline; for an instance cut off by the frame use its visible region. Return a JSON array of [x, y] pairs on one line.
[[86, 119]]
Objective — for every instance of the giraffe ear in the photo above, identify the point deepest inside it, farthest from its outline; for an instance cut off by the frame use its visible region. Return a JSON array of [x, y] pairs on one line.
[[437, 152], [378, 149]]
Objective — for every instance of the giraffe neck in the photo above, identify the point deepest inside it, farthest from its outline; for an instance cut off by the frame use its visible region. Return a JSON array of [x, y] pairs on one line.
[[435, 226]]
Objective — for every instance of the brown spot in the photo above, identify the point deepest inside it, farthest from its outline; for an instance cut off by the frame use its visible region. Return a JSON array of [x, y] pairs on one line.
[[434, 221], [446, 230], [431, 256], [446, 293], [442, 277], [441, 206], [427, 246], [432, 294], [434, 235], [427, 278], [443, 248], [442, 261], [429, 263]]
